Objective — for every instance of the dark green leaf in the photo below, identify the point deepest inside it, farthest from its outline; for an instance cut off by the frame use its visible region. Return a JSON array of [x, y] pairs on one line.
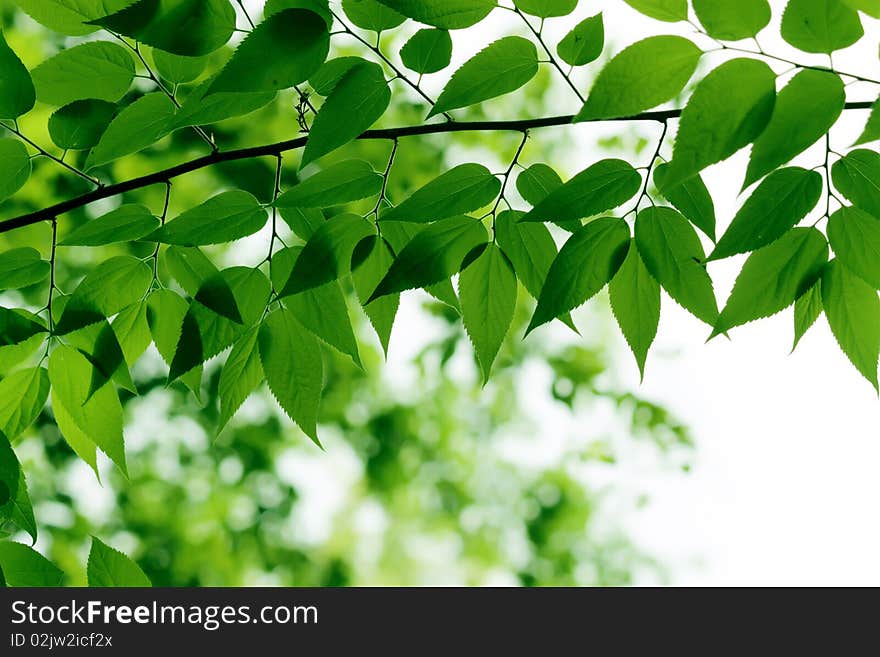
[[165, 313], [331, 72], [109, 567], [779, 202], [22, 267], [178, 69], [79, 126], [96, 70], [240, 376], [732, 20], [227, 217], [124, 224], [371, 15], [320, 7], [855, 238], [343, 182], [372, 268], [15, 167], [690, 197], [857, 177], [17, 326], [24, 566], [821, 26], [138, 126], [199, 108], [215, 294], [584, 43], [10, 476], [446, 14], [17, 95], [427, 51]]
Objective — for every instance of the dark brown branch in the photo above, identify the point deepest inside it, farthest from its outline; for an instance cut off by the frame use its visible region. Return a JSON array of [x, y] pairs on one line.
[[217, 157]]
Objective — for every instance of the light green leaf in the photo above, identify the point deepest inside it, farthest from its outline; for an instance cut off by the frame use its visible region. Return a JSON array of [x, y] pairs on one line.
[[199, 108], [357, 101], [298, 40], [240, 376], [226, 217], [126, 223], [487, 290], [107, 289], [855, 238], [774, 277], [96, 70], [635, 302], [15, 167], [22, 267], [331, 72], [79, 126], [781, 200], [109, 567], [585, 264], [872, 127], [132, 331], [857, 177], [670, 11], [807, 309], [584, 43], [427, 51], [70, 16], [715, 124], [22, 396], [291, 359], [433, 255], [732, 20], [446, 14], [178, 69], [371, 15], [600, 187], [24, 566], [17, 95], [165, 313], [12, 355], [182, 27], [672, 252], [821, 26], [690, 197], [463, 188], [343, 182], [805, 110], [375, 256], [96, 417], [546, 8], [853, 311], [501, 67], [303, 221], [870, 7], [644, 75], [327, 254], [138, 126]]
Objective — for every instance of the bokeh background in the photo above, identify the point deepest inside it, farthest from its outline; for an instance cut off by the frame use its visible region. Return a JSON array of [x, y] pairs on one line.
[[732, 463]]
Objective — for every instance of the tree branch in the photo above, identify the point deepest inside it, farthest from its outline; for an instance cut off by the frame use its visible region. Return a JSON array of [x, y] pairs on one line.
[[275, 149]]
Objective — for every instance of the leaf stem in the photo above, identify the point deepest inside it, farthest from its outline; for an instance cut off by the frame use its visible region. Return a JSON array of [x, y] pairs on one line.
[[552, 59], [42, 151]]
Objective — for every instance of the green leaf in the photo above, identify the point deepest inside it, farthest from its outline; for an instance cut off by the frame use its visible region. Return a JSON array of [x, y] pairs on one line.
[[501, 67], [17, 326], [199, 108], [487, 289], [853, 311], [371, 15], [427, 51], [70, 16], [132, 331], [96, 70], [870, 7], [433, 255], [12, 355], [343, 182], [138, 126], [107, 289], [182, 27], [375, 256], [22, 511], [584, 43], [585, 264], [126, 223], [546, 8], [872, 127], [215, 294], [463, 188], [22, 396], [357, 101], [807, 309], [774, 277], [732, 20], [805, 110], [303, 221], [10, 476], [672, 252], [24, 566], [635, 302], [165, 313], [690, 197], [17, 95], [530, 248], [96, 417], [241, 375], [670, 11], [715, 124], [298, 40], [644, 75], [202, 281], [109, 567], [781, 200], [857, 177], [600, 187], [320, 7], [446, 14], [178, 69], [80, 124], [15, 167], [820, 26], [99, 344], [537, 183], [292, 362], [331, 72], [226, 217], [327, 254], [855, 237], [22, 267]]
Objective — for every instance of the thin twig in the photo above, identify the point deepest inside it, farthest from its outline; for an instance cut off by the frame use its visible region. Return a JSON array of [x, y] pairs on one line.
[[552, 59], [42, 151]]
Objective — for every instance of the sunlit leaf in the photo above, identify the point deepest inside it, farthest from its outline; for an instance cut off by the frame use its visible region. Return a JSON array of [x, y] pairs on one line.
[[732, 20], [635, 302], [821, 26], [24, 566], [21, 267], [855, 237], [343, 182], [124, 224], [226, 217], [109, 567], [138, 126], [584, 43]]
